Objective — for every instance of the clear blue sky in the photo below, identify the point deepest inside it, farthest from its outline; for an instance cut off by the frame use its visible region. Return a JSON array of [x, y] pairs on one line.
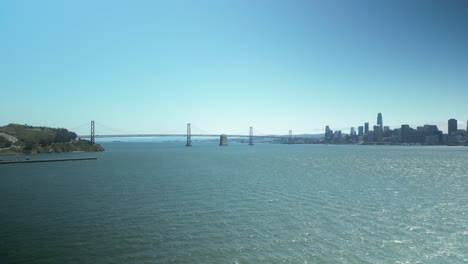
[[153, 66]]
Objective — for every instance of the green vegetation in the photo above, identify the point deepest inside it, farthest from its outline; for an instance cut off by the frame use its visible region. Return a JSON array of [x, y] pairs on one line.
[[4, 142], [34, 140]]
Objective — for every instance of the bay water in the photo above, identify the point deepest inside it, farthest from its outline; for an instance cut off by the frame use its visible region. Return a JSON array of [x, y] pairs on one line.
[[161, 202]]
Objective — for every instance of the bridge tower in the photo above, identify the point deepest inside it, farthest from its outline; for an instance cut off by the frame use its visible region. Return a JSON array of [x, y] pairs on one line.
[[189, 136], [92, 132], [251, 136], [290, 137]]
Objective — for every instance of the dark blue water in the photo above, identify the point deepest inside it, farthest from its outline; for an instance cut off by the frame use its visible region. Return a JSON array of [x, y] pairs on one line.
[[156, 202]]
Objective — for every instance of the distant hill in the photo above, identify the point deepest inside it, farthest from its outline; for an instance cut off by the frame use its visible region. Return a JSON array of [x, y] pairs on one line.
[[24, 139]]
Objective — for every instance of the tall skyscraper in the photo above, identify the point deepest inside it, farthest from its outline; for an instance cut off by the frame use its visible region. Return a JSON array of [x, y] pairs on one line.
[[360, 130], [328, 133], [379, 120], [366, 127], [452, 126]]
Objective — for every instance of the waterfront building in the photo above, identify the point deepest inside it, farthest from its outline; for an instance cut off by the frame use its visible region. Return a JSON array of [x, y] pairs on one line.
[[366, 127], [377, 133], [338, 137], [352, 135], [328, 134], [369, 137], [431, 135], [432, 140], [430, 128], [337, 134], [386, 129], [360, 130], [452, 126], [405, 134], [453, 139]]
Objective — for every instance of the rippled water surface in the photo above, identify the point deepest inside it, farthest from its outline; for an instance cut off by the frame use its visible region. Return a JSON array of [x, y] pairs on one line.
[[161, 202]]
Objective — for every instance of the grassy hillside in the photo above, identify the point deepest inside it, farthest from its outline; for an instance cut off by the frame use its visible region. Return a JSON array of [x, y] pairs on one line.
[[33, 140]]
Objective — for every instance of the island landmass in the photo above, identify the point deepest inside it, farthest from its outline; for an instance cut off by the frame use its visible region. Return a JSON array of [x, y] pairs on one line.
[[24, 139]]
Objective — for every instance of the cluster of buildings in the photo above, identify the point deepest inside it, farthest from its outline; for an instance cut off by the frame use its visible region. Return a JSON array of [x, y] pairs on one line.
[[380, 134]]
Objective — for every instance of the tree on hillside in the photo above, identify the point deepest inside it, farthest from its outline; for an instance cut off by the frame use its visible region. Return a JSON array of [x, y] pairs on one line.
[[4, 142], [63, 135]]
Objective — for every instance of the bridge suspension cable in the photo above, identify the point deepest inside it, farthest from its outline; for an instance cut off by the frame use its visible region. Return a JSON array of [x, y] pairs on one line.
[[198, 130], [84, 126], [110, 129], [260, 133]]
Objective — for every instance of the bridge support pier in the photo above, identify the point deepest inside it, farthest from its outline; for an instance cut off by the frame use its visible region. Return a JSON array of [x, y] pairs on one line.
[[251, 136], [223, 140], [290, 137]]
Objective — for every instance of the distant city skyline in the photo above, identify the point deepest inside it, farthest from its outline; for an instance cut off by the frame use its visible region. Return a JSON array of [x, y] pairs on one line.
[[223, 66], [404, 135]]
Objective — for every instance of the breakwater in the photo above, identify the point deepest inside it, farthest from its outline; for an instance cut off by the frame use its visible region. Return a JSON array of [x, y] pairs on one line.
[[44, 160]]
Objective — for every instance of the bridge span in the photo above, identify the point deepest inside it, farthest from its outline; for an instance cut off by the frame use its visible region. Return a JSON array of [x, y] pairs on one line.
[[189, 135], [180, 135]]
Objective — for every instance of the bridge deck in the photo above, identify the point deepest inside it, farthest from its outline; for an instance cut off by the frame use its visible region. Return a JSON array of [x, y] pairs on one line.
[[178, 135]]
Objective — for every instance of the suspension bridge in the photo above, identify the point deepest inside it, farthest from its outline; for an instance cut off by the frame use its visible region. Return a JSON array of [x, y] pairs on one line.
[[223, 137]]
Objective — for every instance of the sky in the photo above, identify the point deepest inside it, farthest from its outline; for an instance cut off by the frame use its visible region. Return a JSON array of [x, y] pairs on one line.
[[153, 66]]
